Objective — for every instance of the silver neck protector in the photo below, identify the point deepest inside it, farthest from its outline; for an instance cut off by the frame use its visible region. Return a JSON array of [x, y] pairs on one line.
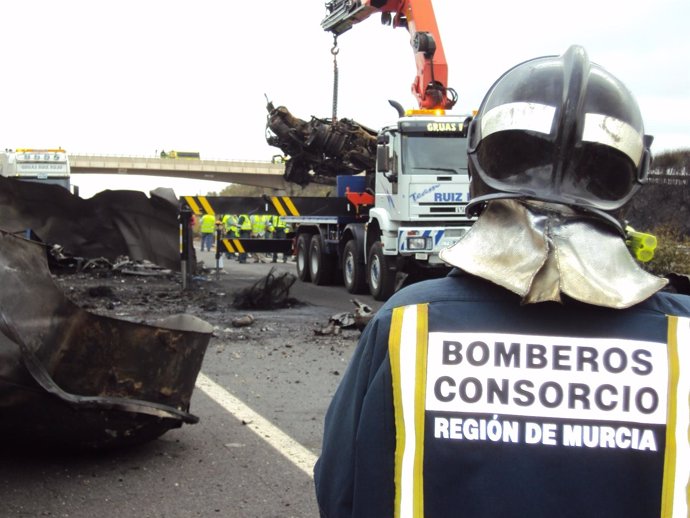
[[542, 250]]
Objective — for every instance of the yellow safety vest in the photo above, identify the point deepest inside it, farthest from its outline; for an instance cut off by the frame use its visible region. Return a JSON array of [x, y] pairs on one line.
[[277, 221], [230, 223], [208, 224], [258, 224], [245, 222]]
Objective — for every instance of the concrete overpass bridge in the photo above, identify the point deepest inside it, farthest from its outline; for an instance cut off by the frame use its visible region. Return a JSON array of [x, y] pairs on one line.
[[259, 174]]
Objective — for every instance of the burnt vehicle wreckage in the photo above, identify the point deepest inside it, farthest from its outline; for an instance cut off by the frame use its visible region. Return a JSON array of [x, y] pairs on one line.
[[319, 150], [69, 376], [75, 377]]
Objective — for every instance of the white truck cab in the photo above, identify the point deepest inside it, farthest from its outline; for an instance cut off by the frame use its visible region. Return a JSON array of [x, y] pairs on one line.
[[36, 165], [422, 188]]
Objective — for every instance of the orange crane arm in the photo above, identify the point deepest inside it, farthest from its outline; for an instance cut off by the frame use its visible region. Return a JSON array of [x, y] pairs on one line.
[[430, 86]]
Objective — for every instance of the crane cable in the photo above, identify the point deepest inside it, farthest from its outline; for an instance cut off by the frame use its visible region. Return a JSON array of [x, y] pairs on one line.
[[334, 51]]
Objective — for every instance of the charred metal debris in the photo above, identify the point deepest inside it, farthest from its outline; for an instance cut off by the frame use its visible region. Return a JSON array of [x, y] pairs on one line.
[[62, 262], [359, 318], [319, 150], [75, 378], [270, 292]]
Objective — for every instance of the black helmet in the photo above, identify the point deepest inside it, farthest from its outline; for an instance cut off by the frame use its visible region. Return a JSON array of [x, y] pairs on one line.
[[558, 129]]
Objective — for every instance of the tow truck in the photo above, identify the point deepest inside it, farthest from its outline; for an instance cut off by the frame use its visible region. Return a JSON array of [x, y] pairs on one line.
[[411, 202], [401, 191]]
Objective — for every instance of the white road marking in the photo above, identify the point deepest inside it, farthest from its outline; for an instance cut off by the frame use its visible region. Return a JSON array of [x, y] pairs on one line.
[[286, 445]]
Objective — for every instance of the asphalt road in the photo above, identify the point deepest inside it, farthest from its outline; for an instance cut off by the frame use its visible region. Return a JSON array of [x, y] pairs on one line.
[[261, 399]]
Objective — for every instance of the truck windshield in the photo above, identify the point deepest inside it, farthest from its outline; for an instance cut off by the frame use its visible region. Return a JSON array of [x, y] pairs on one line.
[[424, 153]]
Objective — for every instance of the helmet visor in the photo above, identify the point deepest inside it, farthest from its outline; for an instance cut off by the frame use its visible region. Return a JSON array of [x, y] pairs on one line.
[[517, 154]]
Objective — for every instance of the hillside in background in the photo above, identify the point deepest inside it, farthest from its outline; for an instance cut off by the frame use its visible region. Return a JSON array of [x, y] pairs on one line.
[[665, 200]]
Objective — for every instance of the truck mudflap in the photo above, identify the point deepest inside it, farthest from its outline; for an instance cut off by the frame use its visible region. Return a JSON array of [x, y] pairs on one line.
[[70, 377]]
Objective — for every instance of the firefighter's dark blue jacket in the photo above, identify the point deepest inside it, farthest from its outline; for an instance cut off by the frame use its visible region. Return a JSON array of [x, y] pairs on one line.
[[471, 465]]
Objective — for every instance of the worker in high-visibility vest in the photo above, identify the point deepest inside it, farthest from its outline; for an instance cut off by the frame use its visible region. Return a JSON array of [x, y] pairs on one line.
[[208, 231], [279, 232], [269, 232], [258, 225], [244, 223], [258, 229], [268, 219], [231, 228]]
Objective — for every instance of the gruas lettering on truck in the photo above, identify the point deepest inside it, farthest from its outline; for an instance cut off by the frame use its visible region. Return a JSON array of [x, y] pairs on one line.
[[442, 126]]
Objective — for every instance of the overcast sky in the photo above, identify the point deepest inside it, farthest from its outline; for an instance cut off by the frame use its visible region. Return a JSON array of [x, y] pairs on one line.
[[133, 77]]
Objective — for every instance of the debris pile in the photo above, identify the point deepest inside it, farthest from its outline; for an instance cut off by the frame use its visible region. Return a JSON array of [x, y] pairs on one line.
[[359, 318], [60, 261], [271, 292], [110, 224], [72, 377], [243, 321]]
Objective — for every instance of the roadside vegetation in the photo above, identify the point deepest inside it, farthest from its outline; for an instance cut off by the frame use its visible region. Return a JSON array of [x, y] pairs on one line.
[[662, 208], [672, 253]]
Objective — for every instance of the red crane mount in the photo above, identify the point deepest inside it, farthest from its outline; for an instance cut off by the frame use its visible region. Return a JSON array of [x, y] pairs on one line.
[[430, 86]]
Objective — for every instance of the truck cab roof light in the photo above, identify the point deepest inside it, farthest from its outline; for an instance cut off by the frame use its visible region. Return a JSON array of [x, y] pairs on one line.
[[425, 111]]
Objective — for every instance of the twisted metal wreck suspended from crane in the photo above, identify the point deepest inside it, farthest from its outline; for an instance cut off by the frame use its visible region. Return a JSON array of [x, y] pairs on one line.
[[322, 149]]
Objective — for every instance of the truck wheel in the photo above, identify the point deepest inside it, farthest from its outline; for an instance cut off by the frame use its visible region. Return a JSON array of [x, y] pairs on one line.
[[354, 274], [380, 273], [302, 260], [321, 265]]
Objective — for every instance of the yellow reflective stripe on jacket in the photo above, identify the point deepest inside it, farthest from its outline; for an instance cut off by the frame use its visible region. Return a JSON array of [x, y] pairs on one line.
[[676, 489], [407, 348]]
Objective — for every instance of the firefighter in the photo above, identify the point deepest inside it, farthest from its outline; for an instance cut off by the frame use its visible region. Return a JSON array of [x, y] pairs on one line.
[[548, 374]]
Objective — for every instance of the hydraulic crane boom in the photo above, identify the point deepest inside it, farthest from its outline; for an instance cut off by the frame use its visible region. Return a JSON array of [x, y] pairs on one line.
[[417, 16]]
